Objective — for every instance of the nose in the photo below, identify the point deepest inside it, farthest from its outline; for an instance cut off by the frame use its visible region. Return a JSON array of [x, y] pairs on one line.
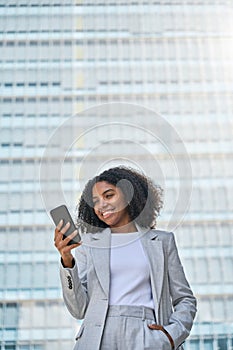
[[101, 204]]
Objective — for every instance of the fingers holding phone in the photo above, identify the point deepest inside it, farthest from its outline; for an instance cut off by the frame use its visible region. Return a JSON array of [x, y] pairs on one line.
[[66, 235], [61, 217], [62, 244], [61, 239]]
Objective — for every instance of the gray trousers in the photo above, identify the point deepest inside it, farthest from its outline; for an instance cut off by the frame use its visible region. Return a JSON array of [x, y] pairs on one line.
[[127, 328]]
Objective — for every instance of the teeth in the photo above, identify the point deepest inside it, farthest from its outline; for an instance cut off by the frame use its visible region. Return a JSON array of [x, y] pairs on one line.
[[106, 213]]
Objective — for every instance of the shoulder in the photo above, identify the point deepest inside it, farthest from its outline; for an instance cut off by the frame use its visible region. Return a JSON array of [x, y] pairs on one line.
[[161, 234], [88, 237], [166, 237]]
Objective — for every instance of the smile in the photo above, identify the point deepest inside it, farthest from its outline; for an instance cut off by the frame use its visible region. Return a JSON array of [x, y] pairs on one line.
[[107, 213]]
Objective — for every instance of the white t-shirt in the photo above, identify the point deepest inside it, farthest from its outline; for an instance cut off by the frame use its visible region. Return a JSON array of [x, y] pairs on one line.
[[129, 268]]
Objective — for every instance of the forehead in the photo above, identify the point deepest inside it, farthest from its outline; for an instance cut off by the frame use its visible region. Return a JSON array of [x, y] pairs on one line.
[[102, 186]]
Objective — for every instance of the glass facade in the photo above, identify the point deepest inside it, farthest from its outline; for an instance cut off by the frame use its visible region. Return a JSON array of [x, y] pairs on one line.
[[60, 57]]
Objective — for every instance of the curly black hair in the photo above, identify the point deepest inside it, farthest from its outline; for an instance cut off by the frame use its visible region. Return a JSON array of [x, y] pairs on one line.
[[143, 197]]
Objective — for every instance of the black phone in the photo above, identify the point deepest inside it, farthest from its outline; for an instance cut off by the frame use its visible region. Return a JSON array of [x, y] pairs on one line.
[[62, 213]]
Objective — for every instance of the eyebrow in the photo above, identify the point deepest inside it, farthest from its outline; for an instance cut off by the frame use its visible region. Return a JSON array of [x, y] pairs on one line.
[[109, 189]]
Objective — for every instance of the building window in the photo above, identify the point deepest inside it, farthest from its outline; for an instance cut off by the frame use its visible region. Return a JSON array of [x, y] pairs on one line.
[[194, 344], [9, 315], [222, 344], [10, 43]]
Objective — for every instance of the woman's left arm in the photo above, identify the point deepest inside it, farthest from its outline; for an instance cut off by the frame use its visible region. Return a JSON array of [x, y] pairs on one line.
[[183, 300]]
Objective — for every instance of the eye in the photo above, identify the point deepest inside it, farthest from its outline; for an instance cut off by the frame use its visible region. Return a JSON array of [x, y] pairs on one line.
[[108, 196]]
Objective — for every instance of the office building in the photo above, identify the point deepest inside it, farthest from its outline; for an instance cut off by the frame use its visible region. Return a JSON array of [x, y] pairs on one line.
[[61, 57]]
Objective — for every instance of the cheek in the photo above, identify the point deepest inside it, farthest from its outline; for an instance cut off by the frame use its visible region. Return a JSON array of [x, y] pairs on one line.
[[121, 204], [95, 211]]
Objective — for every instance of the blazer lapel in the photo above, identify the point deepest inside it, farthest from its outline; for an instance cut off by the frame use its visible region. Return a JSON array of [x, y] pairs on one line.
[[100, 251], [154, 251]]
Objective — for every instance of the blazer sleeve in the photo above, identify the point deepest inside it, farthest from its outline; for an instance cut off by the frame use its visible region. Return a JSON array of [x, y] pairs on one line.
[[74, 285], [183, 300]]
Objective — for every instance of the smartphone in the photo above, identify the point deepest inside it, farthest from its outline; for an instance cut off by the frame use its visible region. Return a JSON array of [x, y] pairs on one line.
[[62, 213]]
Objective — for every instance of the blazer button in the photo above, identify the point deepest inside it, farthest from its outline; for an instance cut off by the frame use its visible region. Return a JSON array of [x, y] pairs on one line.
[[69, 282]]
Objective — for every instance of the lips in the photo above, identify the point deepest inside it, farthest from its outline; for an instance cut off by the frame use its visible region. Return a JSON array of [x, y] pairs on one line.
[[107, 213]]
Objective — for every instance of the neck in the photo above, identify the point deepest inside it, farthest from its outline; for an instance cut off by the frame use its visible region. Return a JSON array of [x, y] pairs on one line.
[[130, 227]]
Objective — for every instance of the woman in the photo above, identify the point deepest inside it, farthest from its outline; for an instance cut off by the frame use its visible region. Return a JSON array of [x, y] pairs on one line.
[[126, 281]]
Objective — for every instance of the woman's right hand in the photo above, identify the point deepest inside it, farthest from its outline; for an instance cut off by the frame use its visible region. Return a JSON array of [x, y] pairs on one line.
[[62, 244]]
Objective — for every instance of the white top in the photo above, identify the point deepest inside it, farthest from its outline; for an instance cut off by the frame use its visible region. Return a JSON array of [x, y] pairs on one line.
[[130, 276]]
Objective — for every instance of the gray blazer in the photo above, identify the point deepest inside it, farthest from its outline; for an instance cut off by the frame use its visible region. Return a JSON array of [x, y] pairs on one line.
[[86, 286]]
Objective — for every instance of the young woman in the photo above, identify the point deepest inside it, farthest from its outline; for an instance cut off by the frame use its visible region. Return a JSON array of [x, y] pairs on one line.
[[126, 280]]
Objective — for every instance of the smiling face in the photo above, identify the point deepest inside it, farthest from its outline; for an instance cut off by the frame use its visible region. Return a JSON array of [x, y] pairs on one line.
[[110, 205]]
